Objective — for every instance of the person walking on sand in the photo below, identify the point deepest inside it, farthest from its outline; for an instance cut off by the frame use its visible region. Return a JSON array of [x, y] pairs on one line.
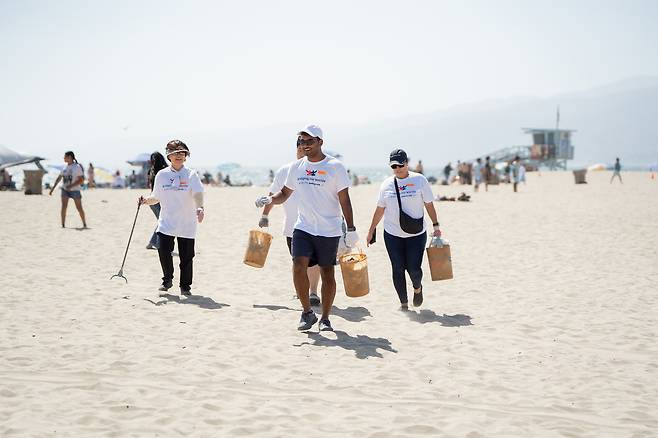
[[91, 181], [323, 185], [412, 192], [72, 178], [616, 171], [290, 217], [180, 194], [157, 162], [477, 174], [487, 173]]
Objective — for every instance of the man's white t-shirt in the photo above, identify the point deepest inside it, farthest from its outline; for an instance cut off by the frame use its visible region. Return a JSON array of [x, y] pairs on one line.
[[71, 173], [415, 192], [175, 190], [317, 186], [291, 204]]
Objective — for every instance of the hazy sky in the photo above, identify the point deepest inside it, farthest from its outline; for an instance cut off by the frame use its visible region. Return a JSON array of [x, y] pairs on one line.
[[83, 74]]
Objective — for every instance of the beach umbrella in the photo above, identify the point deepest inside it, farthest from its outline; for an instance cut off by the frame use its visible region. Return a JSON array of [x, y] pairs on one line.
[[140, 159], [597, 167]]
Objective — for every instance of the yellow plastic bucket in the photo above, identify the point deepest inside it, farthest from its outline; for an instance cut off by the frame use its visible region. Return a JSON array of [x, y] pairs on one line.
[[354, 269], [257, 249]]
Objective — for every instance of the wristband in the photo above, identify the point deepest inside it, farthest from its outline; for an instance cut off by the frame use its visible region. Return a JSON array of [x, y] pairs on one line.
[[351, 228], [436, 227], [264, 216]]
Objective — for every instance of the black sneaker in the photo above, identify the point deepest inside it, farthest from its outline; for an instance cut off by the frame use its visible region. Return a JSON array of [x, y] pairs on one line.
[[315, 299], [418, 297], [307, 320], [325, 326], [165, 286], [186, 292]]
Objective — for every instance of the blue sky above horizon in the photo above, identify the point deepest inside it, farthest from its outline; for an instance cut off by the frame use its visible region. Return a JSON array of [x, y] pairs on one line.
[[80, 73]]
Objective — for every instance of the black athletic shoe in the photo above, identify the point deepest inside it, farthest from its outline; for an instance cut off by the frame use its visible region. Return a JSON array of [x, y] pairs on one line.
[[165, 286], [307, 320], [186, 292], [325, 326], [418, 297], [315, 299]]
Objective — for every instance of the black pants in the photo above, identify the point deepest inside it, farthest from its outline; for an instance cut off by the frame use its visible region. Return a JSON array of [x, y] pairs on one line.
[[406, 254], [185, 253]]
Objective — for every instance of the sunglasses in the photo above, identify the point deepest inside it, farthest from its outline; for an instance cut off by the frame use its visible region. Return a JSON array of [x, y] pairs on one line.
[[397, 166], [308, 142]]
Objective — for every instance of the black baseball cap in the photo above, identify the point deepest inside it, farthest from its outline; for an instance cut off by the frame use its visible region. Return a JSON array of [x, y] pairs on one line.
[[399, 157]]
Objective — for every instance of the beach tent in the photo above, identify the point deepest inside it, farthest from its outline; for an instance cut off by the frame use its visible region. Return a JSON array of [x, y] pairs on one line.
[[9, 158], [141, 159]]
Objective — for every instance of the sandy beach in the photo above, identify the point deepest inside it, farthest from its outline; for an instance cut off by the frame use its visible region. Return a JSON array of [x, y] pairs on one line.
[[549, 327]]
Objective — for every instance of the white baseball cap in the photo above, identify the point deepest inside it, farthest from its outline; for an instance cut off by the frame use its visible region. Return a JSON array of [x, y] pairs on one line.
[[312, 130]]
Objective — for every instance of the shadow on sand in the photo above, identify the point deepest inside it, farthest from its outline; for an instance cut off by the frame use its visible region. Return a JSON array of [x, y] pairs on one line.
[[197, 300], [363, 346], [352, 314], [425, 316]]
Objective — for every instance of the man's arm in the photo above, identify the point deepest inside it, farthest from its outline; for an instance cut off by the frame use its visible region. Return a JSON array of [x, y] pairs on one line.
[[346, 206]]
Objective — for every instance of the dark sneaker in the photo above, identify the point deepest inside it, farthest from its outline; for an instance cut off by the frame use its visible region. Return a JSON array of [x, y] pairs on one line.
[[325, 326], [186, 292], [418, 297], [307, 320], [404, 307], [315, 299], [165, 286]]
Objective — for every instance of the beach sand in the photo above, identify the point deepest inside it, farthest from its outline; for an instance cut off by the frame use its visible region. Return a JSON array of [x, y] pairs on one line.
[[549, 327]]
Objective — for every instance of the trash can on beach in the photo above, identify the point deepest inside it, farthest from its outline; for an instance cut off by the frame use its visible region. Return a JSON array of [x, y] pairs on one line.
[[579, 176], [33, 183], [257, 249], [354, 269]]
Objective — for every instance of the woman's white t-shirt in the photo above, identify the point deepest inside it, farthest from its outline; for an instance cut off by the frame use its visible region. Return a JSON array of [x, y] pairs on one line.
[[291, 204], [317, 186], [175, 190], [70, 174], [415, 192]]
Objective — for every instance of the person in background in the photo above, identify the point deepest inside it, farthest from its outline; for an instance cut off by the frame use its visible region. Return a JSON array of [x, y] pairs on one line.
[[477, 174], [419, 167], [515, 172], [616, 171], [487, 173], [404, 250], [72, 178], [446, 174], [290, 208], [118, 182], [157, 162], [180, 194], [91, 182]]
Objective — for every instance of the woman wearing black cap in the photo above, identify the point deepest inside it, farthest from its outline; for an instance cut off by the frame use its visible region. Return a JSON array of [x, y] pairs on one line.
[[404, 228]]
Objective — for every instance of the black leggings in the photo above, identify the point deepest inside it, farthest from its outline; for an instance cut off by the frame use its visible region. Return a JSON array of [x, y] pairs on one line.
[[406, 254], [185, 253]]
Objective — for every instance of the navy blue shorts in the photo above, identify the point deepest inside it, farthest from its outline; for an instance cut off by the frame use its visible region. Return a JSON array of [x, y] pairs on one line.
[[319, 249], [73, 194]]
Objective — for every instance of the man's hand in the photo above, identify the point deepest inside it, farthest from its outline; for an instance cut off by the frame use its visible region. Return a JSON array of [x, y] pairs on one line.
[[200, 214], [263, 201], [141, 201], [437, 233], [351, 238], [264, 221]]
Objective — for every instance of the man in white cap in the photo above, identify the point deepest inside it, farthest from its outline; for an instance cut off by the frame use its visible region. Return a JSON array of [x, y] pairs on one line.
[[322, 185], [180, 194], [290, 217]]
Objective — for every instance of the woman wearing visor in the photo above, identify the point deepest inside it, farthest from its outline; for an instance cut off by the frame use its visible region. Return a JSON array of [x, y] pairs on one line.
[[180, 194], [412, 192]]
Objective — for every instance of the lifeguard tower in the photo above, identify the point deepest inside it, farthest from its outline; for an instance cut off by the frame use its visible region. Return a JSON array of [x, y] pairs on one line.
[[550, 147]]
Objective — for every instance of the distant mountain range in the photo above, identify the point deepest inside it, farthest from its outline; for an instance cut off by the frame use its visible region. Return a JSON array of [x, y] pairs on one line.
[[619, 119]]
